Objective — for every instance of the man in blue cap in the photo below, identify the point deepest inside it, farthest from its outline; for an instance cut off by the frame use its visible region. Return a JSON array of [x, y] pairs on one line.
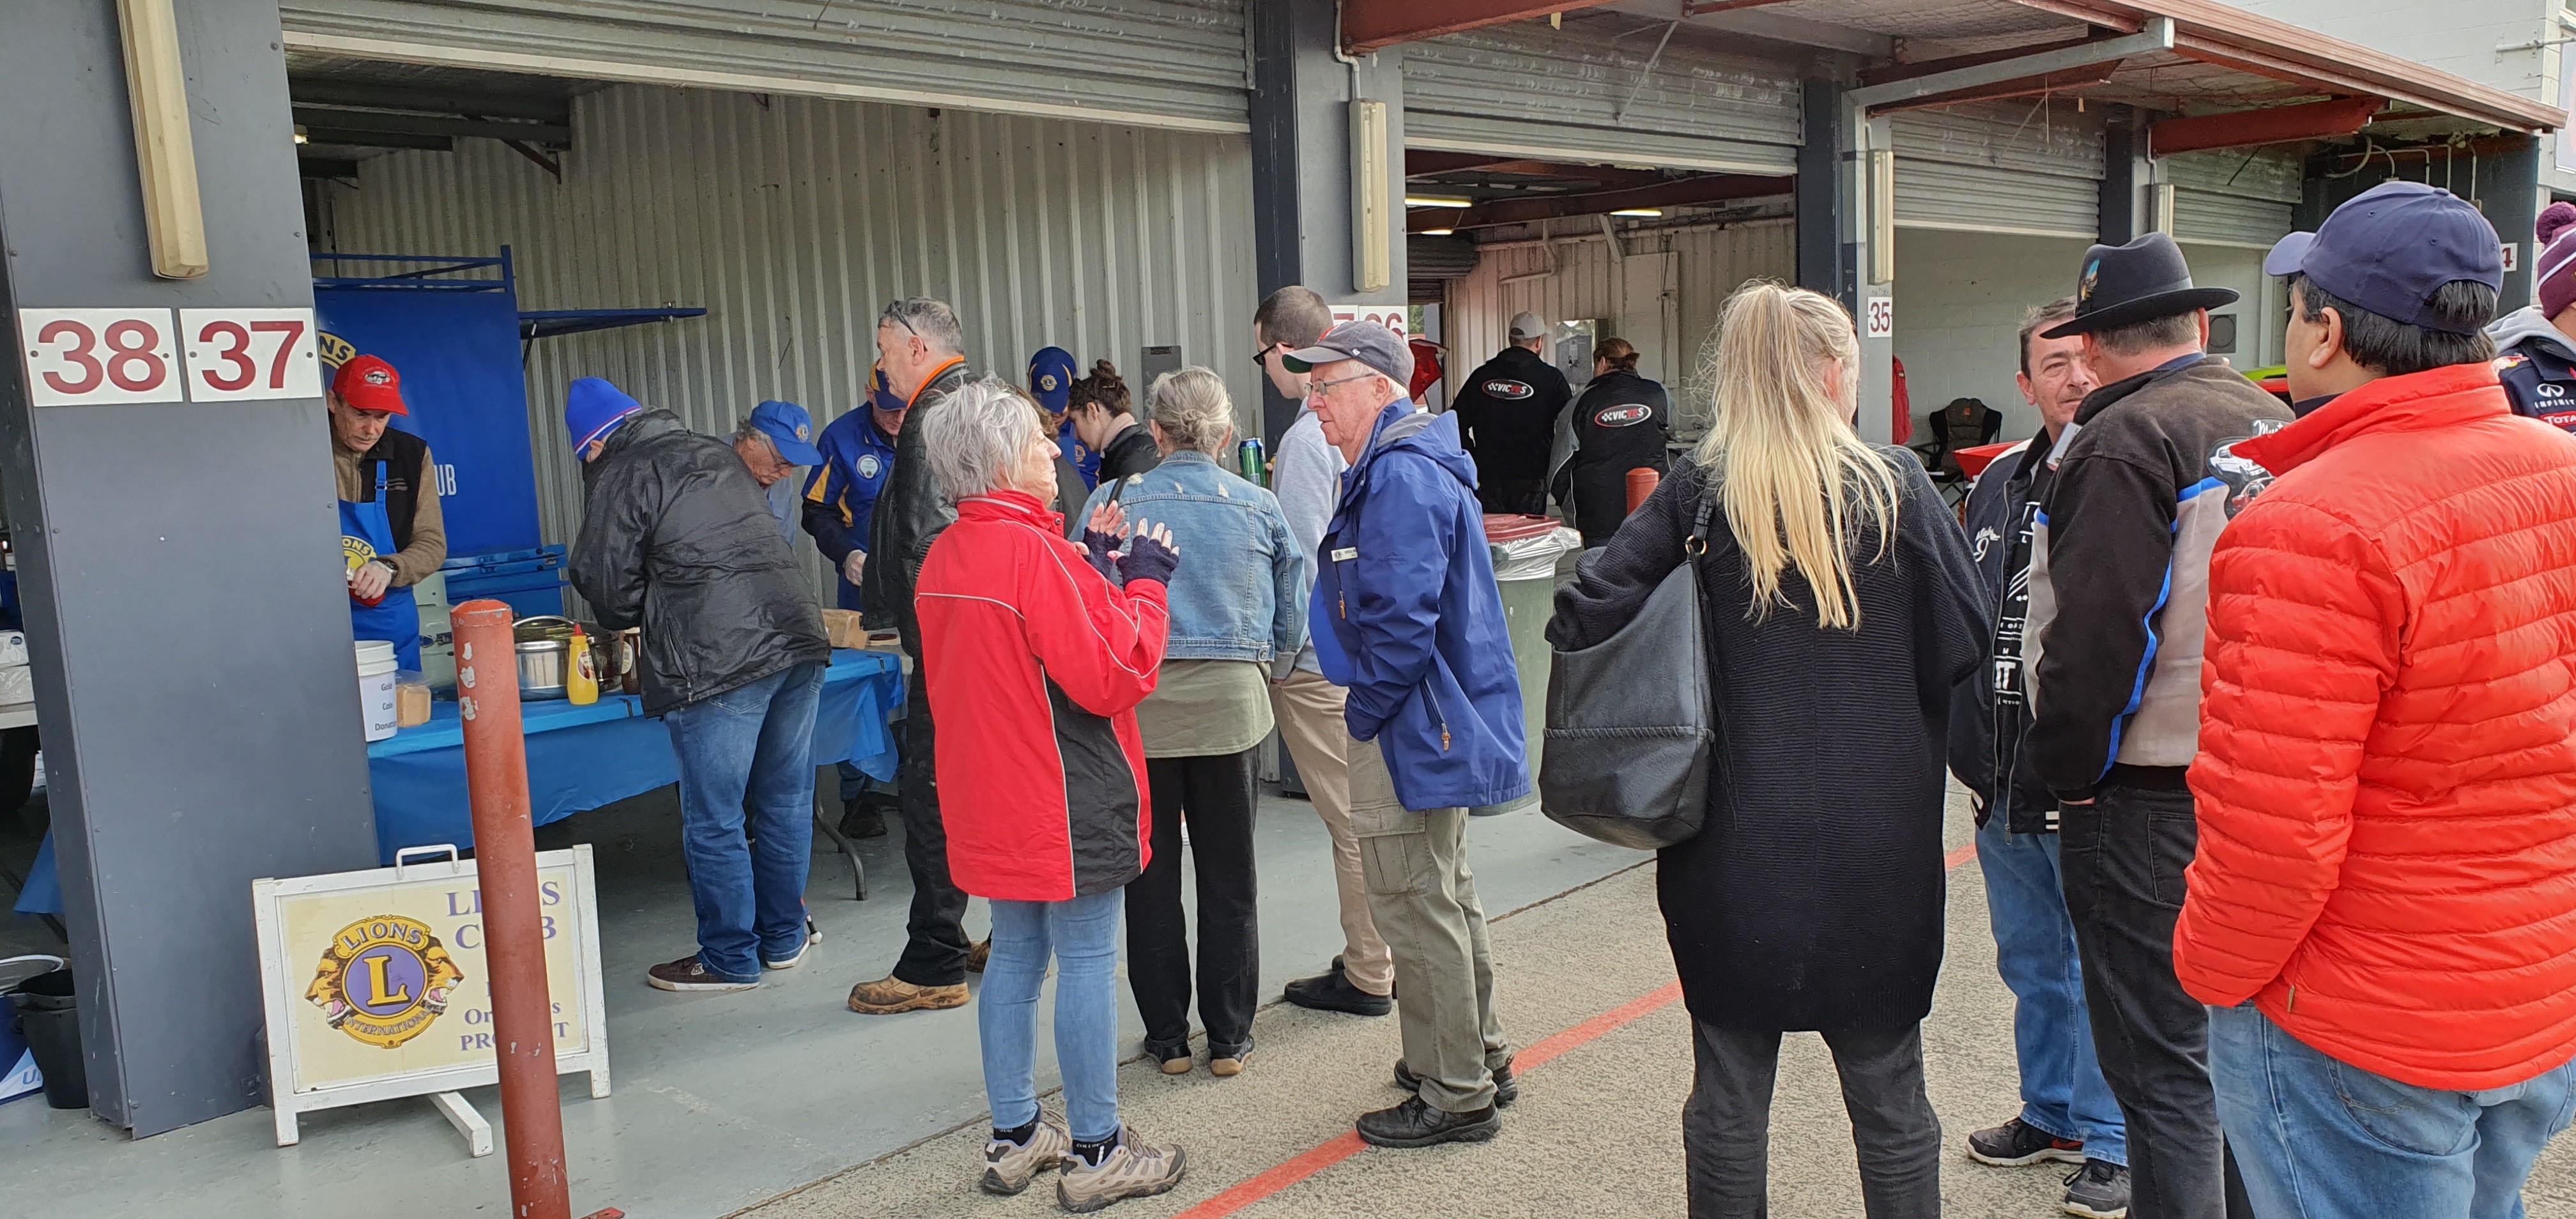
[[773, 440], [733, 666], [840, 503], [1050, 382]]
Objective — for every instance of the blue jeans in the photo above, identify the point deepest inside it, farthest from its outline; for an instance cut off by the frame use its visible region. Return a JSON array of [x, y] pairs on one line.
[[755, 740], [2062, 1092], [1082, 936], [2322, 1139]]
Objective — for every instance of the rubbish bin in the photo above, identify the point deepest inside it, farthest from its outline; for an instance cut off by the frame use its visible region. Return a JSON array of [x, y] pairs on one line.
[[1526, 550], [47, 1016], [18, 1074]]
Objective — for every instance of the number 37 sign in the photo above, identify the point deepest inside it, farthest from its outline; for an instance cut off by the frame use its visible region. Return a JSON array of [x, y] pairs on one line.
[[84, 357]]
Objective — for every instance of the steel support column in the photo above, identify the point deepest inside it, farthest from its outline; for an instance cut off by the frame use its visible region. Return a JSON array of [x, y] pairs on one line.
[[1302, 90], [186, 615]]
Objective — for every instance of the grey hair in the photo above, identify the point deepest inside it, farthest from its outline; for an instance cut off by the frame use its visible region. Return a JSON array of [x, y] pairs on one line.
[[976, 435], [745, 431], [933, 320], [1192, 408]]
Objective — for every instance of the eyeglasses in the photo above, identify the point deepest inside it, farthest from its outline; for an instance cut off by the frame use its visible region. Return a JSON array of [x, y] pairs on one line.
[[1316, 387], [1261, 358]]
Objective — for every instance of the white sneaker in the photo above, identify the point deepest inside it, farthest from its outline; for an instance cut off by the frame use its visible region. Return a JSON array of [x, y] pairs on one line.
[[1132, 1169], [1009, 1167]]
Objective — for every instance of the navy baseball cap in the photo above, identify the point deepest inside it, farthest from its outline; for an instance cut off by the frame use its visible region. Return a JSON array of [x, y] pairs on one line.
[[1051, 378], [2390, 248], [791, 429]]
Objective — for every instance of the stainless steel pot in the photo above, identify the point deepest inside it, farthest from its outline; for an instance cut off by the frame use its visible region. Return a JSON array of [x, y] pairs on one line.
[[545, 654]]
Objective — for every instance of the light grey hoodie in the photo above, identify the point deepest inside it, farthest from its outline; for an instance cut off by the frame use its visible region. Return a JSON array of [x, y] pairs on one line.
[[2526, 324]]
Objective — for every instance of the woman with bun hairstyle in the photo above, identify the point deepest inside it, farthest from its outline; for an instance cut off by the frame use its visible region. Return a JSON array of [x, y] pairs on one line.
[[2536, 345], [1104, 418], [1620, 424]]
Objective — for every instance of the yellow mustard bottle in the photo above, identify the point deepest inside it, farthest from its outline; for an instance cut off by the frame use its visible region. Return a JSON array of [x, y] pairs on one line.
[[581, 674]]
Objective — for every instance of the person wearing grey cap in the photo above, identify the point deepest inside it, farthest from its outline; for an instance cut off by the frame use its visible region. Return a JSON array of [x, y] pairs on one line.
[[1407, 616], [1507, 420]]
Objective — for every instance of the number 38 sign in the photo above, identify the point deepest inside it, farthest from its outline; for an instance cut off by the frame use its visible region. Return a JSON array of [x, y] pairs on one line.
[[84, 357]]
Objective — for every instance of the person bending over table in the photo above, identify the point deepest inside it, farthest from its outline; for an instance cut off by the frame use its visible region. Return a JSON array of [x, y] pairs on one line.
[[677, 536]]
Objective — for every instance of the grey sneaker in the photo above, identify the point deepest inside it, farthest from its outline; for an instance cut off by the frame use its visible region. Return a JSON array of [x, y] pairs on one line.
[[2099, 1190], [1009, 1167], [1132, 1169]]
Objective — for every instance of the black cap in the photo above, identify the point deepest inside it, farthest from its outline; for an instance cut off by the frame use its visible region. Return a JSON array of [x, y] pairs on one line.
[[2122, 285], [2390, 248]]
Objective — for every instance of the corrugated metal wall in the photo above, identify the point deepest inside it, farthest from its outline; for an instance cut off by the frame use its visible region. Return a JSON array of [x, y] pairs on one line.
[[794, 221], [2032, 168], [2234, 197], [1164, 62], [1577, 278], [1580, 94]]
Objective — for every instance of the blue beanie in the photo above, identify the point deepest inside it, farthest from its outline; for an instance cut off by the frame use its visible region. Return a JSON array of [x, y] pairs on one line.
[[592, 408]]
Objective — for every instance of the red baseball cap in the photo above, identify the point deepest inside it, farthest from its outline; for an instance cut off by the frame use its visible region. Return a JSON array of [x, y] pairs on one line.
[[370, 384]]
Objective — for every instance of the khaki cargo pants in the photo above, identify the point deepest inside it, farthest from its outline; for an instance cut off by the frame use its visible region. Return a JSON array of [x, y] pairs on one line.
[[1423, 900]]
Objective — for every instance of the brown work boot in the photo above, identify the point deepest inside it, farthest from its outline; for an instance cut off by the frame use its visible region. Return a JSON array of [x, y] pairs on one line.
[[982, 953], [886, 996]]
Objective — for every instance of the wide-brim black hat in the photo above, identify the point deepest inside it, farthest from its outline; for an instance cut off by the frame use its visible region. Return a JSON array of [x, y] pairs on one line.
[[2146, 279]]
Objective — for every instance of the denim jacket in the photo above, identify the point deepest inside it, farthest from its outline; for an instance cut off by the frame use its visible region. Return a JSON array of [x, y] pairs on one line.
[[1236, 595]]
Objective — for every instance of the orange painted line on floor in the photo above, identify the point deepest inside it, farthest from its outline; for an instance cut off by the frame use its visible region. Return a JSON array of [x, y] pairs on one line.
[[1348, 1144]]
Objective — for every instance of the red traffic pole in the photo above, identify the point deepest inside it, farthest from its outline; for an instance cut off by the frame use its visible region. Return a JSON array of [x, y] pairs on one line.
[[505, 856], [1641, 483]]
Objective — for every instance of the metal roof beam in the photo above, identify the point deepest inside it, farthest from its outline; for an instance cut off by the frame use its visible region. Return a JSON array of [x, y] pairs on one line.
[[1716, 188], [1374, 25], [318, 117], [344, 137], [2158, 36], [430, 101], [2277, 125]]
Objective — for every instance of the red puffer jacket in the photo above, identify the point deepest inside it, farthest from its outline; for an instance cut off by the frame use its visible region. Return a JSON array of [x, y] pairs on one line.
[[1036, 663], [2387, 769]]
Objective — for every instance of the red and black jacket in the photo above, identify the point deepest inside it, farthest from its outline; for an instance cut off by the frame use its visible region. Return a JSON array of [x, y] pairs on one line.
[[1041, 661]]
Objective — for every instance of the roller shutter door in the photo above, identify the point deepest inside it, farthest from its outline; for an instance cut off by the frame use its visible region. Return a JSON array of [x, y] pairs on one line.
[[1158, 63], [2228, 197], [2000, 167], [1582, 95]]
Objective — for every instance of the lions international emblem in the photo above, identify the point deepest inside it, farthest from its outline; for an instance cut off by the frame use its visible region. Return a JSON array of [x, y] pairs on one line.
[[335, 350], [357, 551], [868, 466], [383, 980], [1046, 382]]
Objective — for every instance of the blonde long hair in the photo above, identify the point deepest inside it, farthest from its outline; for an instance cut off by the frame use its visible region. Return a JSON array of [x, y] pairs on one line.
[[1801, 489]]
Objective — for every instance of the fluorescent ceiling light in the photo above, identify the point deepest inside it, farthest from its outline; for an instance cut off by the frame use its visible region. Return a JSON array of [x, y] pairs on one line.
[[1437, 201], [300, 137], [1437, 232], [1639, 211]]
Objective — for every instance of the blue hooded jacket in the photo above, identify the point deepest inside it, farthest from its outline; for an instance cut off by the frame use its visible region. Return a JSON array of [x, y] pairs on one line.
[[1406, 614]]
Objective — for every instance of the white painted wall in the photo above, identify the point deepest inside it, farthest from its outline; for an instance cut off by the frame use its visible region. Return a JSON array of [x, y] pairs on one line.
[[2455, 36], [1960, 298]]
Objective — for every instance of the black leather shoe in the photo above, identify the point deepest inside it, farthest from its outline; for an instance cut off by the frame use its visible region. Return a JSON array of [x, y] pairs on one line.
[[1333, 992], [862, 818], [1506, 1088], [1414, 1124]]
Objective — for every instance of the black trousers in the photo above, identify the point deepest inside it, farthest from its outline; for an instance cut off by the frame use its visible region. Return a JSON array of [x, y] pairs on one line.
[[1215, 795], [2122, 860], [1526, 496], [934, 952], [1726, 1124]]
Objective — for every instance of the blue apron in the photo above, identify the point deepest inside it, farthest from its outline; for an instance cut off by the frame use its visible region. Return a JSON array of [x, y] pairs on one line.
[[397, 617]]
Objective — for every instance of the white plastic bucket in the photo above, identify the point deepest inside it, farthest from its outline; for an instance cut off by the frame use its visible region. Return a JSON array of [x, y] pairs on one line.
[[376, 687]]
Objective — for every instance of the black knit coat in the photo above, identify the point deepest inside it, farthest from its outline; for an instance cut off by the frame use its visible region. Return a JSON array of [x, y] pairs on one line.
[[1813, 898]]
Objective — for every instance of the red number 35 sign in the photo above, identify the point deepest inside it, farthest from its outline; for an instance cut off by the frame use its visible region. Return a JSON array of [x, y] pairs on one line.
[[85, 357]]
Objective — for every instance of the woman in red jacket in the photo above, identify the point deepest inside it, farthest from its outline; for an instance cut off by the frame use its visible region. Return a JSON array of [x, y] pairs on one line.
[[1025, 637]]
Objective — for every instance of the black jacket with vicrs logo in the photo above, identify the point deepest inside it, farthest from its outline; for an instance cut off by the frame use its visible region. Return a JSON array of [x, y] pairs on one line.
[[1507, 415], [1621, 423]]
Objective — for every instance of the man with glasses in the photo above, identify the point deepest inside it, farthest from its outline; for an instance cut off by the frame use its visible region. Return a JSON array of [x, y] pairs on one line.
[[1306, 475], [1407, 617], [921, 349]]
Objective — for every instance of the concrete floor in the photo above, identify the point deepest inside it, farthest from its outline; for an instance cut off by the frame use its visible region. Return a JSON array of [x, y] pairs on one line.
[[780, 1105]]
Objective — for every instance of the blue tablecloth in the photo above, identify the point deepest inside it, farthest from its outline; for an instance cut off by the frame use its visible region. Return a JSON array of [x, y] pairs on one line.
[[579, 758]]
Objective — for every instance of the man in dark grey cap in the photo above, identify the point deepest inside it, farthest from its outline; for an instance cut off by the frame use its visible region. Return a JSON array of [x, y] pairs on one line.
[[1406, 614], [2119, 593], [1507, 420]]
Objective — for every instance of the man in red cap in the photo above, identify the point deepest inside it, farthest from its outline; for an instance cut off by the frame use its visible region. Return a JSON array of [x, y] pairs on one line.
[[390, 528]]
